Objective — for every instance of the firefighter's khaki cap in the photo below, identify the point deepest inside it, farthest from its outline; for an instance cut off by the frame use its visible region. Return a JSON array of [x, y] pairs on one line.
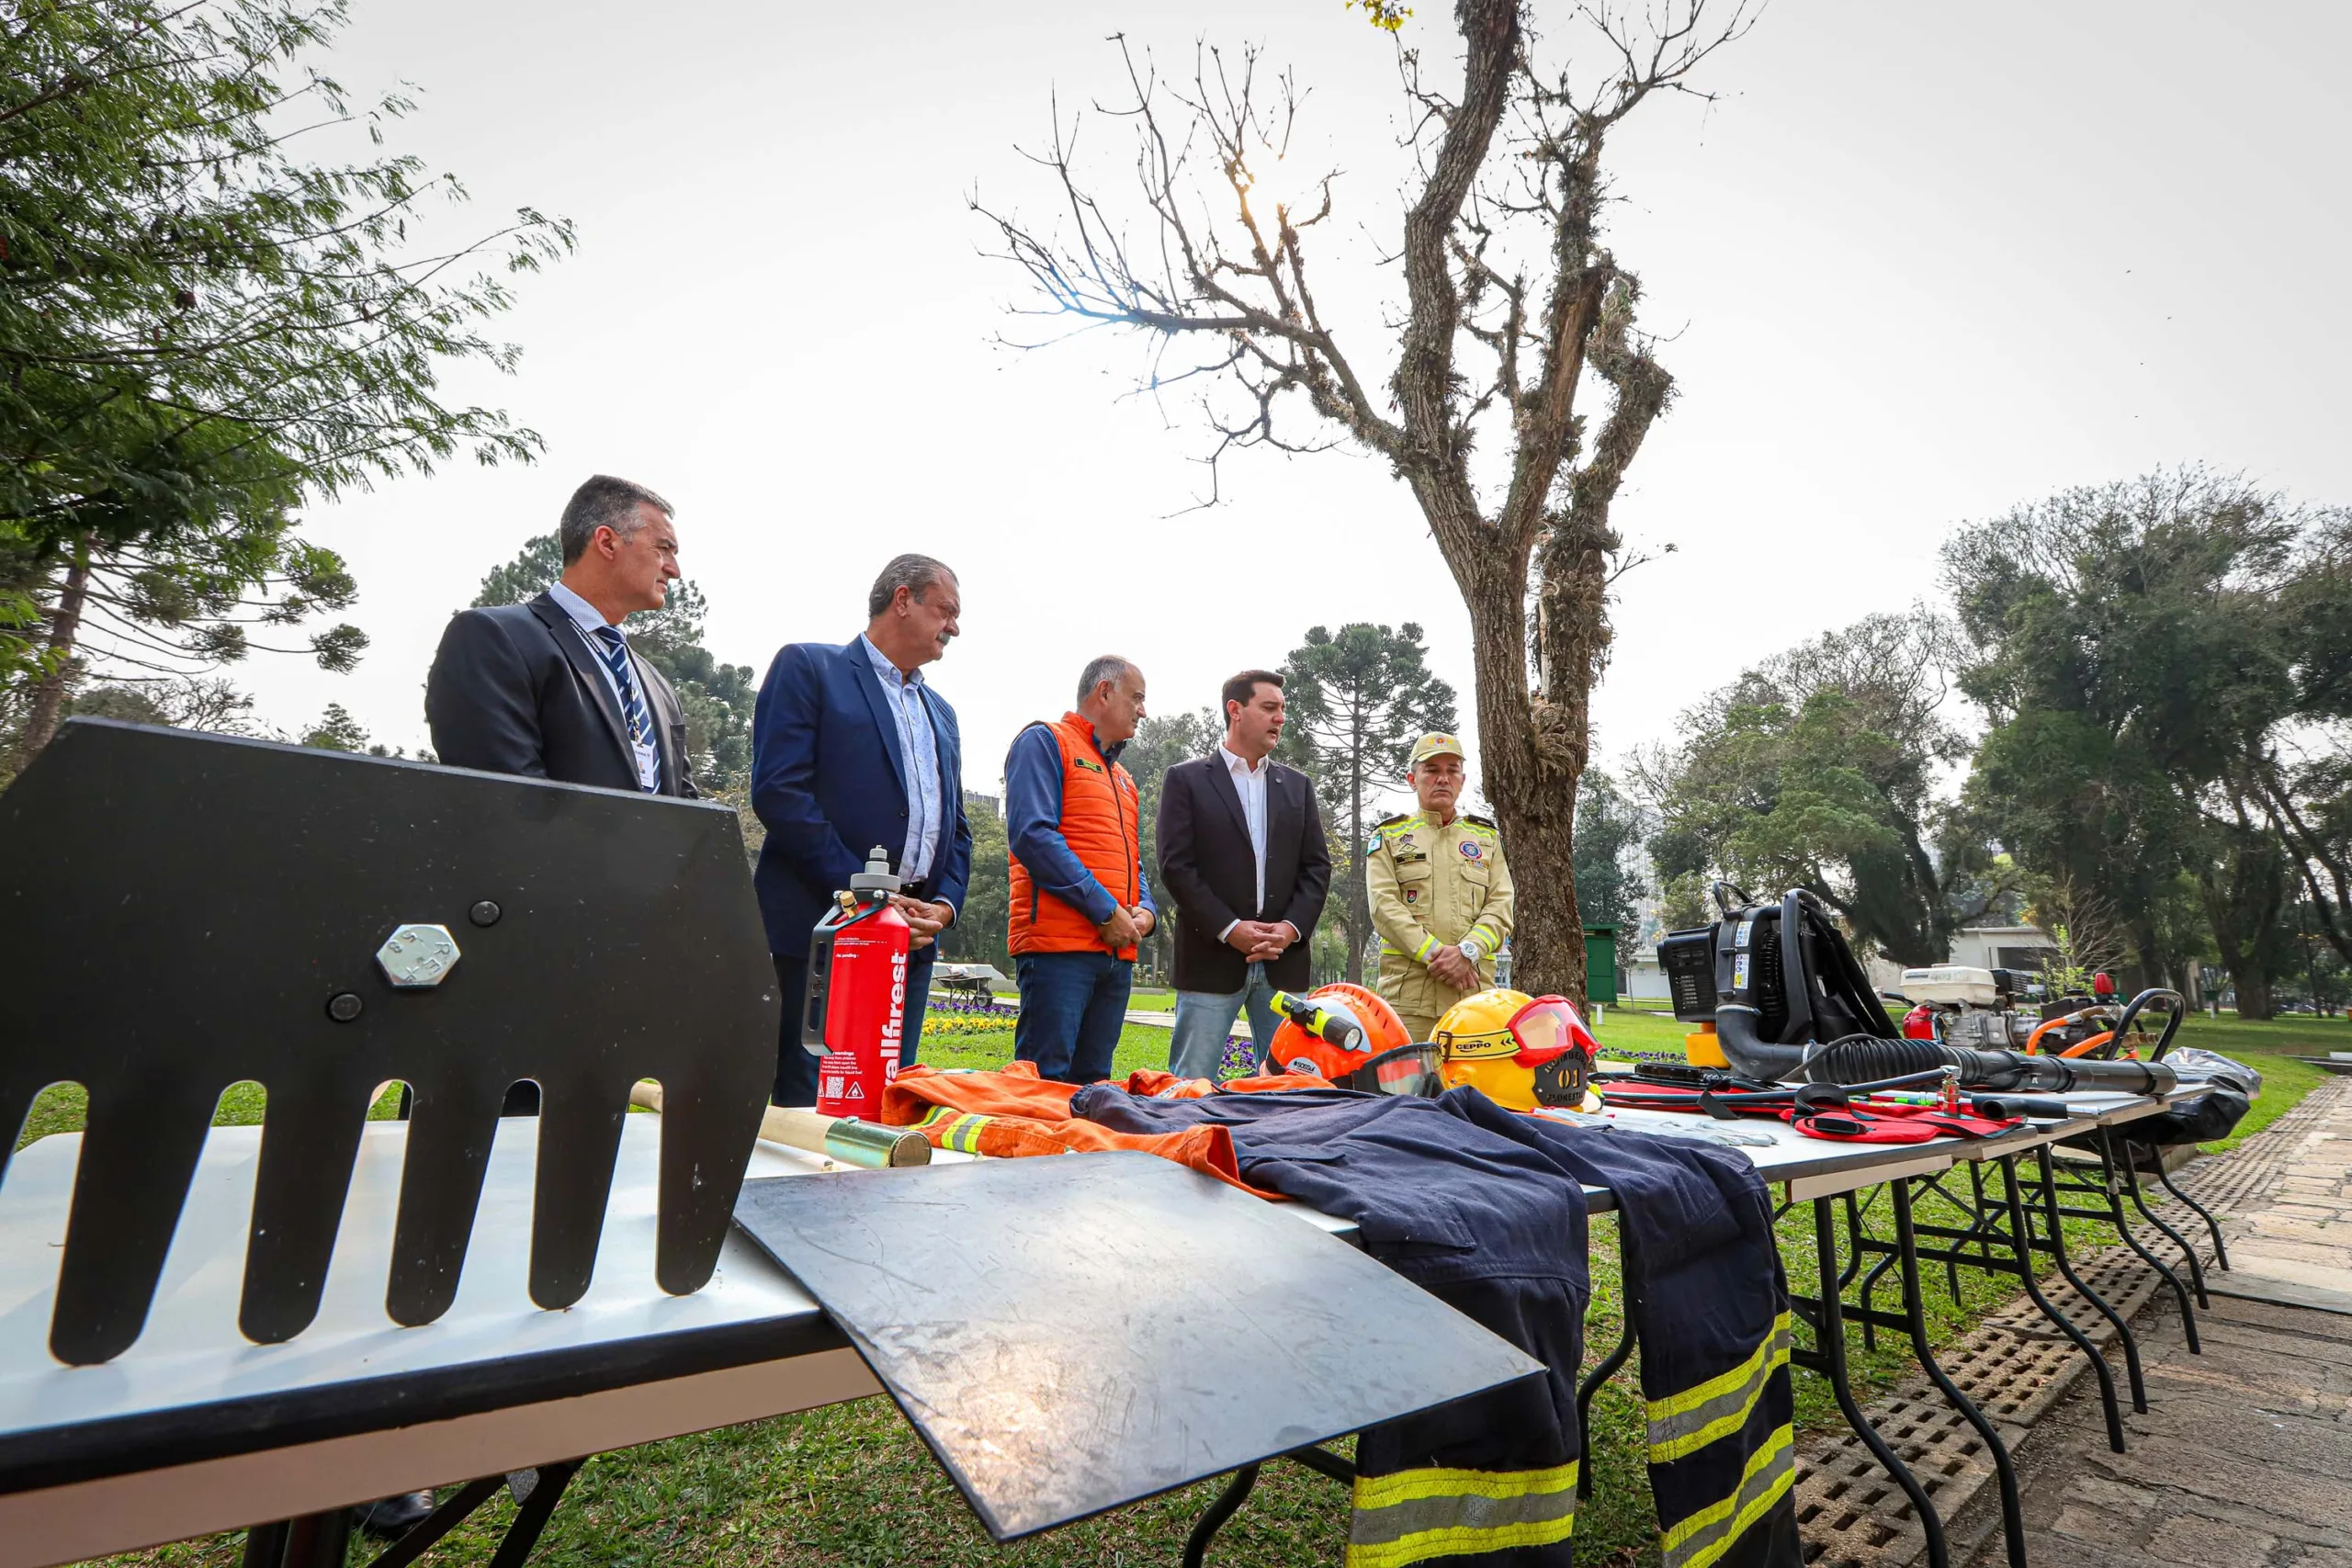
[[1435, 745]]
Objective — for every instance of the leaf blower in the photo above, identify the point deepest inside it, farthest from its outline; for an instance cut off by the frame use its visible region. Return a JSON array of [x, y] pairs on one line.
[[1790, 1001]]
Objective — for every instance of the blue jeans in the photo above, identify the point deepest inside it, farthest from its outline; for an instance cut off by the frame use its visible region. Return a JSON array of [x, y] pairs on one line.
[[1072, 1006], [1205, 1021]]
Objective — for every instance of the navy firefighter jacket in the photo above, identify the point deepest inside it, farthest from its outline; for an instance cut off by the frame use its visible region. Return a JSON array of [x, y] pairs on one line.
[[1486, 1209]]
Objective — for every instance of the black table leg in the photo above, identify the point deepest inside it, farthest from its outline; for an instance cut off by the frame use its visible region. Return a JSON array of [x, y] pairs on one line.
[[1829, 1359], [2119, 1178], [421, 1537], [1870, 1278], [2212, 1226], [1229, 1502], [317, 1541], [314, 1540], [2067, 1271], [1323, 1461], [1589, 1385], [532, 1517], [2140, 1202], [1914, 1314], [266, 1545], [2023, 1244]]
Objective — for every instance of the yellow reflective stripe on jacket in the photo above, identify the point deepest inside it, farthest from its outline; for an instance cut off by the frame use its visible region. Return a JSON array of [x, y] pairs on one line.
[[956, 1130], [1689, 1421], [1700, 1539], [1413, 1515]]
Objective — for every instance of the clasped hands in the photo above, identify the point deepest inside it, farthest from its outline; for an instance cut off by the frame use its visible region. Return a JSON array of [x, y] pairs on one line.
[[1260, 941], [1456, 967], [1127, 926]]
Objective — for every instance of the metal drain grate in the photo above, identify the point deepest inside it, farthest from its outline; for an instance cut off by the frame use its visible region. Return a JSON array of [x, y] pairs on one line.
[[2015, 1367]]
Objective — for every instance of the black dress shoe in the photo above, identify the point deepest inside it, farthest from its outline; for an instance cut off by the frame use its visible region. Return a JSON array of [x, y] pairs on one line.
[[391, 1517]]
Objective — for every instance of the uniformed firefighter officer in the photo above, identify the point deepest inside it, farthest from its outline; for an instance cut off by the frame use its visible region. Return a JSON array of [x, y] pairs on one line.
[[1440, 894]]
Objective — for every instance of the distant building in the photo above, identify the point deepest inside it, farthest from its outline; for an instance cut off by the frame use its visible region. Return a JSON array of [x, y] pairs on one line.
[[974, 801], [2004, 947], [1979, 947]]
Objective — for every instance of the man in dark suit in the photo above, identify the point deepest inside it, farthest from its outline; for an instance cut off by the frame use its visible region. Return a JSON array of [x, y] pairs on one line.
[[850, 747], [1243, 860], [551, 689]]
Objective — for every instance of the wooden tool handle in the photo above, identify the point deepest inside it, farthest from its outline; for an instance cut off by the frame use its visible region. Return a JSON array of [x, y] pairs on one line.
[[868, 1144]]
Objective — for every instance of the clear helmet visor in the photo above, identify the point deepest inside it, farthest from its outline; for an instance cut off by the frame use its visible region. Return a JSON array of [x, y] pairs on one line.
[[1548, 1023]]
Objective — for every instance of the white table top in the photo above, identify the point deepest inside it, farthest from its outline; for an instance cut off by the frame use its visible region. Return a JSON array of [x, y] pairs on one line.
[[191, 1357], [1824, 1167], [191, 1352]]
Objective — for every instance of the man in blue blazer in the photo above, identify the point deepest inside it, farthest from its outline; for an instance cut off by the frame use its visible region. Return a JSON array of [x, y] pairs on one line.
[[850, 749]]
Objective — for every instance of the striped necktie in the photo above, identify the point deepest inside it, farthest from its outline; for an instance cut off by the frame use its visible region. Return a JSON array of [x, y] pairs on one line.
[[616, 652]]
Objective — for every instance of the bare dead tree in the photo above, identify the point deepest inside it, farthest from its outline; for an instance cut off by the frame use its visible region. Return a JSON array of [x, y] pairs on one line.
[[1513, 308]]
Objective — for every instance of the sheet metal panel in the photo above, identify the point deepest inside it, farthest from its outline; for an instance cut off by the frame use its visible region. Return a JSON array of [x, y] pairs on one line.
[[188, 910], [1075, 1333]]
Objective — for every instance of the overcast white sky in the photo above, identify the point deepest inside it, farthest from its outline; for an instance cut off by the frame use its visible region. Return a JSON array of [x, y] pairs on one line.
[[1920, 264]]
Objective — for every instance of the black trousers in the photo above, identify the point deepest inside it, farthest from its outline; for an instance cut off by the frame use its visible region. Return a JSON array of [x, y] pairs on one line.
[[795, 1069]]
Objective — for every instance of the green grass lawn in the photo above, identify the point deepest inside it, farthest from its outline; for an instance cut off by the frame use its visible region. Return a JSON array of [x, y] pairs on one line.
[[851, 1486]]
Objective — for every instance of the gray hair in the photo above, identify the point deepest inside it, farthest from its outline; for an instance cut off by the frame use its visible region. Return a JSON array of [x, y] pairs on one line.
[[1103, 667], [913, 573], [606, 502]]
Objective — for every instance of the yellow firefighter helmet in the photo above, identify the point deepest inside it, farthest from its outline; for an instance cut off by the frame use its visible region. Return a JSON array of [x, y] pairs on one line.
[[1516, 1050]]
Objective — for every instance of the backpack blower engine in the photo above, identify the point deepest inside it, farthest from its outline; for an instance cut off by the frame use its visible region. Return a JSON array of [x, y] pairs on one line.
[[1790, 1002]]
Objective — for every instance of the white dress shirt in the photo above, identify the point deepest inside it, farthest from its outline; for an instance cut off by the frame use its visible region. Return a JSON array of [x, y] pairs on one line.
[[919, 744], [1250, 783], [589, 621]]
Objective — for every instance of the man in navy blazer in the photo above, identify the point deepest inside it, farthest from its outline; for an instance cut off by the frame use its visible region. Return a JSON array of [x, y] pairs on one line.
[[850, 747]]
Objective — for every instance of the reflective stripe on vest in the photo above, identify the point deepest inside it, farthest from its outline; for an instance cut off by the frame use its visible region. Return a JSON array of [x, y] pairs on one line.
[[956, 1130], [1413, 1515], [1705, 1536], [1719, 1408]]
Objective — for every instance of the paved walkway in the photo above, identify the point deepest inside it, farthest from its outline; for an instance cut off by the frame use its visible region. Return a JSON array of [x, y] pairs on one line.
[[2245, 1457], [2242, 1461], [2296, 1248]]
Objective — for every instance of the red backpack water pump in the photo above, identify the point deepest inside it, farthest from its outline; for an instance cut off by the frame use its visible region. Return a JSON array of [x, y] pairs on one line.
[[857, 994]]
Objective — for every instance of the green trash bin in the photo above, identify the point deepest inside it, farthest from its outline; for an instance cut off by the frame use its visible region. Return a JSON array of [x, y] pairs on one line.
[[1601, 965]]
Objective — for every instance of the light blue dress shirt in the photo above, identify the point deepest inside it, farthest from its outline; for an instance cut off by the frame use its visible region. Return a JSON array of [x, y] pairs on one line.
[[588, 620], [902, 694]]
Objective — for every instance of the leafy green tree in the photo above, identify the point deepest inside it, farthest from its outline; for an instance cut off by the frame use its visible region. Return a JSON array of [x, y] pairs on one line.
[[202, 332], [2305, 785], [1609, 884], [980, 935], [1356, 698], [2133, 651], [337, 731], [1816, 770], [189, 704], [2244, 882], [716, 698]]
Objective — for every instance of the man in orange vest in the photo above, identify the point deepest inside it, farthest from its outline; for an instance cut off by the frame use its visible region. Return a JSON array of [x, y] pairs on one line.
[[1079, 905]]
